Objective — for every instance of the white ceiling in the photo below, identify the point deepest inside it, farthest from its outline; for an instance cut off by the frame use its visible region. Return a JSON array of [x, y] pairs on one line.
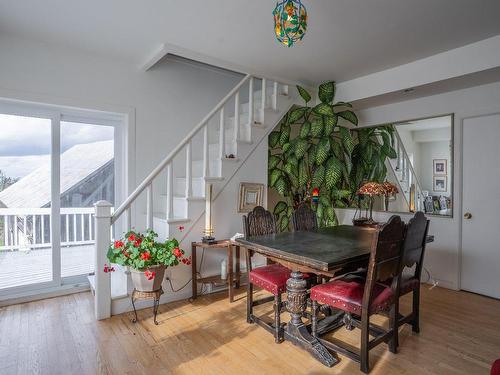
[[345, 39]]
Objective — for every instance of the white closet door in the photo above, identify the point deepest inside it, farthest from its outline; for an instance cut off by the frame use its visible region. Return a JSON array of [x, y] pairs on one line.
[[481, 206]]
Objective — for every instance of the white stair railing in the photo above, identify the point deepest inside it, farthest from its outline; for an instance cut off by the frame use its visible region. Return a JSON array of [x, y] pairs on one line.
[[408, 182], [105, 218]]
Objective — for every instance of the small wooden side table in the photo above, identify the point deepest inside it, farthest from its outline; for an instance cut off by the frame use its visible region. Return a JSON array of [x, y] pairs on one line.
[[233, 278], [155, 295]]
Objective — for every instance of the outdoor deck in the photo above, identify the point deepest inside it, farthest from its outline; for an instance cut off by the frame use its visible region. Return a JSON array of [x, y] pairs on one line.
[[22, 268]]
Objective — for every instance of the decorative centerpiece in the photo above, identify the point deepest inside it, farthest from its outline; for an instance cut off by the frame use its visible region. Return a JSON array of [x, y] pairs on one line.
[[390, 190], [290, 21], [371, 190], [147, 258]]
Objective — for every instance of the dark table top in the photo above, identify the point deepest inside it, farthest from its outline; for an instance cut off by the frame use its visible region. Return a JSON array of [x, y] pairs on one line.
[[324, 249]]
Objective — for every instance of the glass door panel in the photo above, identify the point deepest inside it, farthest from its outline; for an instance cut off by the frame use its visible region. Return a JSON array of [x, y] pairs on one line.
[[26, 256], [86, 176]]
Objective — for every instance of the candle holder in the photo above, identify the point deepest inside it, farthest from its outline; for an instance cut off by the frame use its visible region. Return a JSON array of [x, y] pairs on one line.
[[209, 230]]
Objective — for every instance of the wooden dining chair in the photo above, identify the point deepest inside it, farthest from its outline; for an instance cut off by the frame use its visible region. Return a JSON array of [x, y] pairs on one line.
[[360, 299], [271, 278], [413, 255], [304, 218]]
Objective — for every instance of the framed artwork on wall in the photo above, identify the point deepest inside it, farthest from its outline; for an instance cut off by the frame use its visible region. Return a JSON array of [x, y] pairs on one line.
[[250, 196], [440, 167], [440, 183]]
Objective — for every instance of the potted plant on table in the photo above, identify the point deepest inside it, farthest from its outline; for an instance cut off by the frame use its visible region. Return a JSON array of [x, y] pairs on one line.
[[146, 257]]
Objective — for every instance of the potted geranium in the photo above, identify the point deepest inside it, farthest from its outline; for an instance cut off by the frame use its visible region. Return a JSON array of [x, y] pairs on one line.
[[146, 257]]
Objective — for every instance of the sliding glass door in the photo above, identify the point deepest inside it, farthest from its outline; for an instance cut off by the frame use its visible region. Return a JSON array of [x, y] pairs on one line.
[[53, 168], [26, 254]]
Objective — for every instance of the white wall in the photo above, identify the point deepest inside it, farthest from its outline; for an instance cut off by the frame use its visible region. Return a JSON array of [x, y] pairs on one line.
[[428, 152], [443, 256], [167, 101]]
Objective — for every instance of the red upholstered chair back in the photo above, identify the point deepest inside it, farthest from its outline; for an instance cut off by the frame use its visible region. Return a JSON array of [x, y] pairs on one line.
[[258, 222], [385, 257], [304, 218], [414, 243], [495, 369]]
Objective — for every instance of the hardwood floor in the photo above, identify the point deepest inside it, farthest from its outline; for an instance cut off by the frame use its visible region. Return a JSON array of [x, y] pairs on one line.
[[460, 335]]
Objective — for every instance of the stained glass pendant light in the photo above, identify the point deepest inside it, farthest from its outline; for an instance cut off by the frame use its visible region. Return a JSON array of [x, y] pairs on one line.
[[290, 21]]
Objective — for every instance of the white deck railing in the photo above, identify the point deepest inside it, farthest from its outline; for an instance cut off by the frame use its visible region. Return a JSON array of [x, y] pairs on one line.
[[105, 219], [29, 228]]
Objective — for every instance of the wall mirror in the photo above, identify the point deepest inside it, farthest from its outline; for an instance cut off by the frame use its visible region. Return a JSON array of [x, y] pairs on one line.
[[422, 169]]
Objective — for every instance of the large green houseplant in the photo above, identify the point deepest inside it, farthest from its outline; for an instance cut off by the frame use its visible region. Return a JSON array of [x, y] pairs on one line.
[[319, 147]]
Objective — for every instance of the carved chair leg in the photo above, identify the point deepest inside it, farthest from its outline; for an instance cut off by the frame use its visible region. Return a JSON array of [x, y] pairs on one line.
[[416, 310], [393, 328], [249, 302], [365, 338], [278, 337], [314, 318]]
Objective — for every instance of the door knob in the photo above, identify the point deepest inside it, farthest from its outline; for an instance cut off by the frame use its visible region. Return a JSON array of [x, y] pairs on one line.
[[467, 215]]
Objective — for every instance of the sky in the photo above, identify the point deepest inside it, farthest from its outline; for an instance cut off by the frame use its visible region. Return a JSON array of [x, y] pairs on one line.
[[25, 141]]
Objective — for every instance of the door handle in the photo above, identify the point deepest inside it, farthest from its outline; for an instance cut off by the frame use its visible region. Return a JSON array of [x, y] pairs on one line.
[[468, 216]]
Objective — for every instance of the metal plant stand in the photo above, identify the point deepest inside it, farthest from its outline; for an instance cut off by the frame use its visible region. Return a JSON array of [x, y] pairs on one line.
[[155, 295]]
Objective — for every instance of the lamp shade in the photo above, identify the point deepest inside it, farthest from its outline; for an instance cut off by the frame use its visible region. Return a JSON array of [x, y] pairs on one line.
[[371, 189]]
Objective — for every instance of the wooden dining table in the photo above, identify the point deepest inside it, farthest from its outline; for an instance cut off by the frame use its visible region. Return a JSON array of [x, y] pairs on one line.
[[327, 252]]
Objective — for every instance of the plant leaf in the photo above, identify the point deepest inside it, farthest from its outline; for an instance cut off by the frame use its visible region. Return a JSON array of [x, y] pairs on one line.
[[273, 161], [305, 129], [326, 92], [303, 177], [284, 135], [296, 115], [324, 109], [317, 127], [274, 138], [343, 104], [304, 94], [333, 172], [319, 177], [281, 185], [285, 222], [349, 116], [273, 176], [301, 148], [330, 122], [280, 207], [347, 140], [323, 150]]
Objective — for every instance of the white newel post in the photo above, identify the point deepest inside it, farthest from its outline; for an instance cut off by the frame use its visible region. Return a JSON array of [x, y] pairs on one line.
[[102, 279]]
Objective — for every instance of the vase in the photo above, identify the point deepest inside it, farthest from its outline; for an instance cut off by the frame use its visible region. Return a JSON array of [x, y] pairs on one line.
[[144, 283]]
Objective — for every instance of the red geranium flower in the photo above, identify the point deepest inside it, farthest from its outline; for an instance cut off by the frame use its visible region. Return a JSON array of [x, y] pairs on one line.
[[132, 237], [177, 252], [108, 269], [181, 228], [118, 244], [146, 256], [138, 242]]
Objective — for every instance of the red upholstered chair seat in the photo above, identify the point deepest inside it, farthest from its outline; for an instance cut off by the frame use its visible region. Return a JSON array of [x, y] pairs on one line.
[[271, 278], [347, 295]]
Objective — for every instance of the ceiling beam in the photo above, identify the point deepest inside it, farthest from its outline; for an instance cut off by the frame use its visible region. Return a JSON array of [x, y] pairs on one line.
[[470, 59]]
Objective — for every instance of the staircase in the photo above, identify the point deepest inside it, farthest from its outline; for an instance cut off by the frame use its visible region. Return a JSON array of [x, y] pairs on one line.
[[212, 152], [405, 176]]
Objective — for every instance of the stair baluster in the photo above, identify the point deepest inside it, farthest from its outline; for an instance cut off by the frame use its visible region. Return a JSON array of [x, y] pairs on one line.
[[189, 158], [236, 121], [149, 206], [275, 96], [250, 106], [170, 191], [222, 140], [206, 165], [263, 100]]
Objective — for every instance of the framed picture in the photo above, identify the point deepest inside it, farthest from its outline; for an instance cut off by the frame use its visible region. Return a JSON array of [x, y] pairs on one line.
[[250, 196], [440, 167], [440, 183]]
